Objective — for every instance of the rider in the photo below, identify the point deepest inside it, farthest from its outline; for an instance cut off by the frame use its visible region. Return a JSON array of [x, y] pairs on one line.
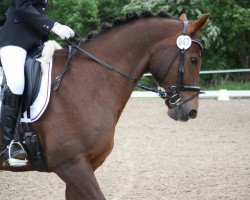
[[25, 25]]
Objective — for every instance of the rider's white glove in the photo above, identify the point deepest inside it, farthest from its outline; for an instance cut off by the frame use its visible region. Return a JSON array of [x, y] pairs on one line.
[[63, 31]]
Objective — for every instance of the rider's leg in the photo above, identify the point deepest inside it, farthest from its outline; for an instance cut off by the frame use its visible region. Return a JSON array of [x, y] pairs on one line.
[[13, 60]]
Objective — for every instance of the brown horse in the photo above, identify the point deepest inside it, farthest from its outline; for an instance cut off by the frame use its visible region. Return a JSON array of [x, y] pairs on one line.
[[77, 129]]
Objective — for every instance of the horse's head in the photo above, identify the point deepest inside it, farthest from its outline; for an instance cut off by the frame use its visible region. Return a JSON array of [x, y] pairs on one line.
[[175, 64]]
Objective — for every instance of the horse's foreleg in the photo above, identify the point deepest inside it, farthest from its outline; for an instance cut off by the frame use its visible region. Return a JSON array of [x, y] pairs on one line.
[[80, 180], [70, 194]]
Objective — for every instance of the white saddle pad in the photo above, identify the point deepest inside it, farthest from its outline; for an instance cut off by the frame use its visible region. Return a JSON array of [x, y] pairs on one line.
[[42, 100]]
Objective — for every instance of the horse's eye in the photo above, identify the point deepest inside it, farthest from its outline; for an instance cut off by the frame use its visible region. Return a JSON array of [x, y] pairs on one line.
[[194, 60]]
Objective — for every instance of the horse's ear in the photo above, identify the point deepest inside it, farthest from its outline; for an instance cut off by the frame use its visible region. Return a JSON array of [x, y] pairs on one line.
[[199, 24], [183, 17]]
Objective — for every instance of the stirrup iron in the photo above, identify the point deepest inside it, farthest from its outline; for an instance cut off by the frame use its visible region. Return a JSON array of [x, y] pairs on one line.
[[13, 162]]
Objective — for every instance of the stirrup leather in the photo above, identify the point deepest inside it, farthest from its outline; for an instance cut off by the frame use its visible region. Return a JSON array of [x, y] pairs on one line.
[[13, 162]]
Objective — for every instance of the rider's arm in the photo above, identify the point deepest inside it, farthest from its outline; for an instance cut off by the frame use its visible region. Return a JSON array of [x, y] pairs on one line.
[[27, 11]]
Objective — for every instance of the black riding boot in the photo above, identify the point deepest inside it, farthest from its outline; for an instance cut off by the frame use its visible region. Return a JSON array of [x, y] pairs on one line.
[[9, 115]]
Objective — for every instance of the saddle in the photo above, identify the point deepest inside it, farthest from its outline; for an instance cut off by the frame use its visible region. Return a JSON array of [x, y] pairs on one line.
[[33, 74]]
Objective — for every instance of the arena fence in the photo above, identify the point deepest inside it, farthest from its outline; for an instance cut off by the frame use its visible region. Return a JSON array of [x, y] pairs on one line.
[[219, 94]]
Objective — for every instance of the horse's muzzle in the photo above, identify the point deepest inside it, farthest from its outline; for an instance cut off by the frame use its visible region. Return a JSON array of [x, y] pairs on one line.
[[183, 113]]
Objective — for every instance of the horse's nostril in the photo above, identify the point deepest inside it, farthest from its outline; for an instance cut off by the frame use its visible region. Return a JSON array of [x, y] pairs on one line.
[[192, 114]]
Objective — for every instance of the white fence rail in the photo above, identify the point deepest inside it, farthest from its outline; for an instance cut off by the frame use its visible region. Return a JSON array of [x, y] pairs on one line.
[[223, 94], [220, 94], [217, 71]]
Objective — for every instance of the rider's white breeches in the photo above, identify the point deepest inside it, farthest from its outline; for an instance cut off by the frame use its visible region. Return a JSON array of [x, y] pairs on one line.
[[13, 61]]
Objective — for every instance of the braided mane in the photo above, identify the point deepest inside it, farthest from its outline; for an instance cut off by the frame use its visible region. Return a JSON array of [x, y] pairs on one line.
[[131, 16]]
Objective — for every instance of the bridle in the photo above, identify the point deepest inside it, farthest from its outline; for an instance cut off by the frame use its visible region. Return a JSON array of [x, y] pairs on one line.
[[173, 95], [174, 91]]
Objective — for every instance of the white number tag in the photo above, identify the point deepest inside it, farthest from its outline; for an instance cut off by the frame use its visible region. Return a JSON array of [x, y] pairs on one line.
[[183, 41]]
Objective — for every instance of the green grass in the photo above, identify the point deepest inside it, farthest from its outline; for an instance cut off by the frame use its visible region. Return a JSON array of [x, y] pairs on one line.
[[229, 86]]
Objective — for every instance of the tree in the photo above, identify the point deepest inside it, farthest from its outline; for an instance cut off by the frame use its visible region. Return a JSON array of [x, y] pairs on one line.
[[234, 39], [193, 9], [226, 36], [3, 9], [108, 9], [234, 23], [81, 15]]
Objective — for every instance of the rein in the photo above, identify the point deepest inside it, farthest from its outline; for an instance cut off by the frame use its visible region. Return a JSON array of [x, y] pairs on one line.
[[161, 93], [56, 84], [172, 95]]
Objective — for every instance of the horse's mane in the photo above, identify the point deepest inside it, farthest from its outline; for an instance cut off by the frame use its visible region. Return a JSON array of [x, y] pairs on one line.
[[131, 16]]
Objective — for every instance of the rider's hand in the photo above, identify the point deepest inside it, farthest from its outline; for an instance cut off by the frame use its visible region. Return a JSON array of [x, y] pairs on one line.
[[63, 31]]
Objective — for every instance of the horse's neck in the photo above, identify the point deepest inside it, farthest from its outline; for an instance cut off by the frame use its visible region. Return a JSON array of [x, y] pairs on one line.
[[129, 44], [126, 46], [128, 49]]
